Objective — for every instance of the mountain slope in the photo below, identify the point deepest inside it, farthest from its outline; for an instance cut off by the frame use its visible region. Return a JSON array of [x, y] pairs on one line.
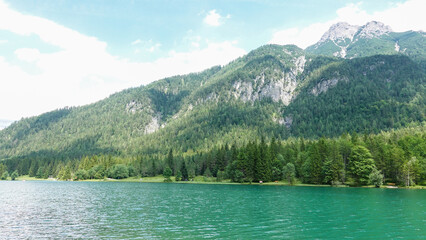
[[274, 90]]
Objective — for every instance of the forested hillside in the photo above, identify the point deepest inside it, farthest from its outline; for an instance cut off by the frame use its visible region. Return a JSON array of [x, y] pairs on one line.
[[274, 91]]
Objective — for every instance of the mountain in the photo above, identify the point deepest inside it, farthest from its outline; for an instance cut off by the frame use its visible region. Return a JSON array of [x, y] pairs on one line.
[[280, 91], [350, 41]]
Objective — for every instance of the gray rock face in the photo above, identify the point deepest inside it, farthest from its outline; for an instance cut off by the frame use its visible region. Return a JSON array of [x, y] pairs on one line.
[[343, 35], [279, 90], [154, 125], [133, 107], [323, 86], [339, 32], [373, 29], [397, 47]]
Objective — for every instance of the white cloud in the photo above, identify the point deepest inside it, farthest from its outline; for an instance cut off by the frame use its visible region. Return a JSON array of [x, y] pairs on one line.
[[147, 46], [154, 47], [137, 41], [215, 19], [401, 17], [82, 71], [28, 54]]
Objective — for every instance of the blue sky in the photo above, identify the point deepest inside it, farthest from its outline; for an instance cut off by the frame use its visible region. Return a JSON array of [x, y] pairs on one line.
[[74, 52]]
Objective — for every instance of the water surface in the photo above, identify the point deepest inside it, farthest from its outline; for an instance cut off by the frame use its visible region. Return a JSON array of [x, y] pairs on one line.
[[118, 210]]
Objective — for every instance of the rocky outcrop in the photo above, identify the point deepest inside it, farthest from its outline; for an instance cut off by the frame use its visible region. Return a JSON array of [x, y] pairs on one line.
[[339, 32], [397, 46], [133, 107], [324, 85], [373, 29], [279, 90], [342, 31], [300, 65], [344, 35], [154, 125], [286, 121]]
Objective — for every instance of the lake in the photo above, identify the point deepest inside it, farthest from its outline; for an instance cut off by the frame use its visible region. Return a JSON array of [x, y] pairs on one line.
[[119, 210]]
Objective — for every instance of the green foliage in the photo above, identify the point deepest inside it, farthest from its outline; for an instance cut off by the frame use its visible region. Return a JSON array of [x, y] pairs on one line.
[[14, 175], [371, 94], [333, 167], [167, 173], [361, 164], [220, 176], [97, 172], [170, 161], [81, 174], [119, 171], [375, 178], [178, 176], [42, 172], [410, 171], [238, 176], [289, 173], [4, 175], [3, 168], [65, 173], [208, 173]]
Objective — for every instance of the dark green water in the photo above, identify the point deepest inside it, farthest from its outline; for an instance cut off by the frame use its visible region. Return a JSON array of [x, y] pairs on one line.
[[99, 210]]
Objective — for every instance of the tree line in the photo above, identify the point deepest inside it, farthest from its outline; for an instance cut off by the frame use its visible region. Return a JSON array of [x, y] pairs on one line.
[[396, 157]]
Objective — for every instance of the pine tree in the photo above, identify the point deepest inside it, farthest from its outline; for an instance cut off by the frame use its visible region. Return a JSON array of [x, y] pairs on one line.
[[184, 171], [170, 160], [33, 169], [263, 167], [242, 160], [316, 165]]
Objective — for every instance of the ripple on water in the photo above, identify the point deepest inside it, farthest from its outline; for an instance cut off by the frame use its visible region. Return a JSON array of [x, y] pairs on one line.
[[65, 210]]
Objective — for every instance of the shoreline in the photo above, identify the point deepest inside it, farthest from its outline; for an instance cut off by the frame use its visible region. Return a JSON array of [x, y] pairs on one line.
[[160, 179]]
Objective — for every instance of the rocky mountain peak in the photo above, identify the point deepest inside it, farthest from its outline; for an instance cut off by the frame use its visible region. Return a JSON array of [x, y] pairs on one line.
[[339, 32], [373, 29]]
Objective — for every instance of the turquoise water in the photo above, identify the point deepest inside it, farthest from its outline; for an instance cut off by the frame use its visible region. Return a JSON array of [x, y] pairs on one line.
[[117, 210]]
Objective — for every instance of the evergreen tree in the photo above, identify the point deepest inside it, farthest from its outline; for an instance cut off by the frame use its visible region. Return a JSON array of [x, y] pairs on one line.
[[167, 173], [263, 168], [33, 169], [316, 165], [333, 167], [208, 173], [170, 160], [184, 171], [242, 162]]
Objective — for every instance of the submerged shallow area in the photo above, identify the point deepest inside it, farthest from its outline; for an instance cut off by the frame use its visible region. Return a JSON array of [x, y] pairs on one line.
[[123, 210]]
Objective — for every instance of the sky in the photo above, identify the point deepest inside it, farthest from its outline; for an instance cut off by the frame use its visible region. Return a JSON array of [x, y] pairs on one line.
[[55, 54]]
